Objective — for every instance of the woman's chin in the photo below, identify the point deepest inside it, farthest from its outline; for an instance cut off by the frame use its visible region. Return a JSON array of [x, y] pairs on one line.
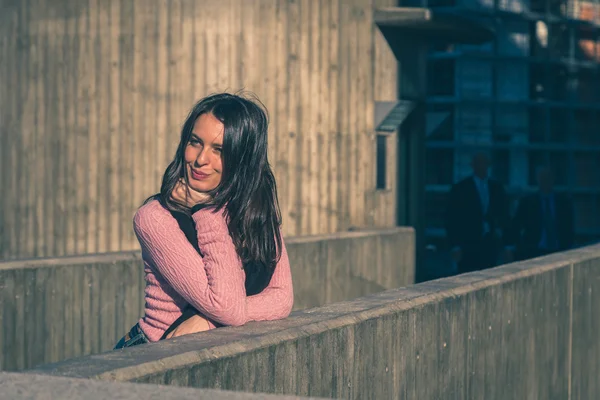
[[198, 187]]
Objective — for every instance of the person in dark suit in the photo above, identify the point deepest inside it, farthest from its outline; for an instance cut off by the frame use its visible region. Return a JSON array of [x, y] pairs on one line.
[[477, 214], [543, 222]]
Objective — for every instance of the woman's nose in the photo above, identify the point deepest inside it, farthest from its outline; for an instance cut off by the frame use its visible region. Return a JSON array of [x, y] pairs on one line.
[[202, 158]]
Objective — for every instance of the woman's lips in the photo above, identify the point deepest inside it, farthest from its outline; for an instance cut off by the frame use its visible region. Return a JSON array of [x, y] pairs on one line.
[[199, 175]]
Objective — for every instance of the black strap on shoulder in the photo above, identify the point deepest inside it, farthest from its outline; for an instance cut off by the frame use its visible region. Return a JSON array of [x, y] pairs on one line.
[[186, 224]]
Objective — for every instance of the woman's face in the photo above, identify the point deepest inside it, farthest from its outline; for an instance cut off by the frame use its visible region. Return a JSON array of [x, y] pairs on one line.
[[203, 161]]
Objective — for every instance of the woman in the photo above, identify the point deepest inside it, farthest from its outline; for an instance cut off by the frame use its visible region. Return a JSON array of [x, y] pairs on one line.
[[221, 177]]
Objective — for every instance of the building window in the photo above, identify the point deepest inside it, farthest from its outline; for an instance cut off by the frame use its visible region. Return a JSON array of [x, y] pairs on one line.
[[440, 77], [381, 162]]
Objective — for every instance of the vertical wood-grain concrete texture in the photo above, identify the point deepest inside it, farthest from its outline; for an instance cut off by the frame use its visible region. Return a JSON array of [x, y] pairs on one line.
[[585, 364], [522, 331], [93, 94], [55, 309]]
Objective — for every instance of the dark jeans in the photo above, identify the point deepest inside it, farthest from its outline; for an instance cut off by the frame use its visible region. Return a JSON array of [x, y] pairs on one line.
[[133, 338]]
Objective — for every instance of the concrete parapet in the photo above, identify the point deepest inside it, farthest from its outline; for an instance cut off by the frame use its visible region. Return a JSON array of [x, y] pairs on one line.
[[60, 308], [524, 330]]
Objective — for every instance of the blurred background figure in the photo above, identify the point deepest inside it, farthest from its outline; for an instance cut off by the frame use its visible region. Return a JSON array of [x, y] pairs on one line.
[[476, 215], [543, 222]]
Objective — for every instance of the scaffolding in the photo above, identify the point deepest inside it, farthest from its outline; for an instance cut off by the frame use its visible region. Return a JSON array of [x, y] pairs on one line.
[[531, 97]]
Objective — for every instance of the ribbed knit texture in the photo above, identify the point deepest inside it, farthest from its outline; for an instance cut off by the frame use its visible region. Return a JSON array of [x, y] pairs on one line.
[[176, 275]]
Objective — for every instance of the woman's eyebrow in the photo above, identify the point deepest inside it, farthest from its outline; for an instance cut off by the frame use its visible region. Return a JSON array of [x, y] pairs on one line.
[[217, 141]]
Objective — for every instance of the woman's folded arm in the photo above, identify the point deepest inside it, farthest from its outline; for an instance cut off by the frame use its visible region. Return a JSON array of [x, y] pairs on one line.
[[214, 285]]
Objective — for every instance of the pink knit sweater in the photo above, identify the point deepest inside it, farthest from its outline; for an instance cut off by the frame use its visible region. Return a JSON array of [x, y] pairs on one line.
[[176, 275]]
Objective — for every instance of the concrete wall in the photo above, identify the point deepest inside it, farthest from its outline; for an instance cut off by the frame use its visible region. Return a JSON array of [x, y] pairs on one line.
[[54, 309], [93, 94], [521, 331]]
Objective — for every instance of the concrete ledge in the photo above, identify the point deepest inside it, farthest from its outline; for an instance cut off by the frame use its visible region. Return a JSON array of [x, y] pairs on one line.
[[103, 258], [503, 333], [39, 387], [134, 363], [60, 308]]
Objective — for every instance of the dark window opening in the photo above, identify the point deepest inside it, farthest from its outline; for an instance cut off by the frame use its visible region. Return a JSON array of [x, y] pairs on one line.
[[440, 169], [445, 130], [559, 125], [381, 161], [538, 124], [501, 165], [440, 78], [586, 128]]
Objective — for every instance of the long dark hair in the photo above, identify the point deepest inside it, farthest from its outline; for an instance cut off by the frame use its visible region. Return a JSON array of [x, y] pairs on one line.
[[247, 190]]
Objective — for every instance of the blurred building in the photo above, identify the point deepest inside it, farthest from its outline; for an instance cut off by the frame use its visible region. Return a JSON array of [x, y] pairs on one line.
[[532, 96], [93, 95]]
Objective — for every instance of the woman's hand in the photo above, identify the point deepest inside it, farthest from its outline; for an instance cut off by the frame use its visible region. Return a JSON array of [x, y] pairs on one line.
[[191, 325], [187, 196]]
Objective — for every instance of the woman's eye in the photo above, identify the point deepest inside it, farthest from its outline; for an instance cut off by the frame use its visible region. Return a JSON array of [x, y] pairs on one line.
[[218, 150], [194, 142]]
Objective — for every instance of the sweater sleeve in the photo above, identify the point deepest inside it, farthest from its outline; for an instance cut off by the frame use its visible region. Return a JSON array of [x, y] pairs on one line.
[[214, 285], [276, 300]]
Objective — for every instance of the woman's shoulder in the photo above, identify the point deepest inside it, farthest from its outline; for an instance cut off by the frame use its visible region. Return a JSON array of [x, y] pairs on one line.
[[151, 207], [150, 214]]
